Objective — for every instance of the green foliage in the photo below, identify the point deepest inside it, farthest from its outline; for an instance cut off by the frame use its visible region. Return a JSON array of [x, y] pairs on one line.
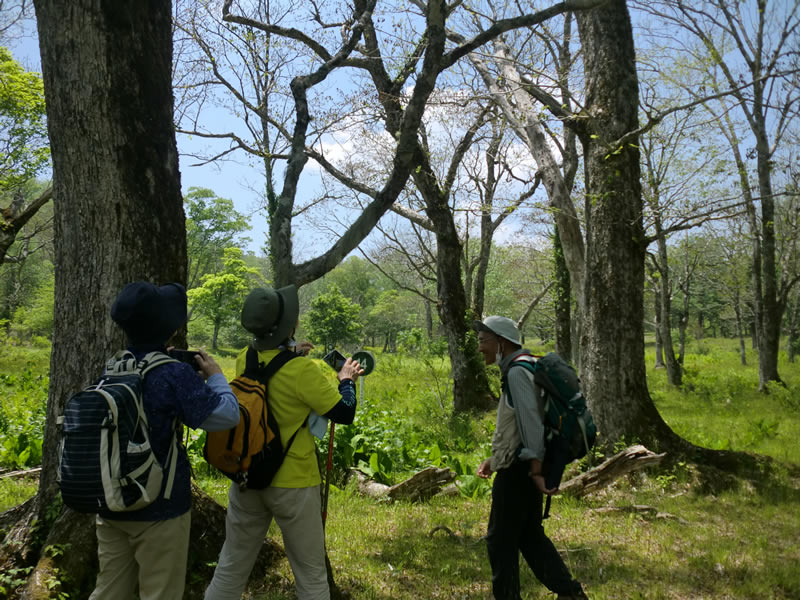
[[725, 409], [410, 340], [332, 319], [212, 225], [26, 276], [391, 314], [221, 295], [13, 578], [23, 129], [688, 543], [36, 318], [22, 414]]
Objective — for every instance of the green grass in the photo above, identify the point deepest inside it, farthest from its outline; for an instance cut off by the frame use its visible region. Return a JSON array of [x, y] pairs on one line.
[[734, 545], [720, 407], [692, 543]]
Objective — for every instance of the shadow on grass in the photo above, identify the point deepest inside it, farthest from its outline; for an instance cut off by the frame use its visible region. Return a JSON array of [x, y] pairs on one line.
[[708, 557], [720, 471], [440, 563], [618, 571]]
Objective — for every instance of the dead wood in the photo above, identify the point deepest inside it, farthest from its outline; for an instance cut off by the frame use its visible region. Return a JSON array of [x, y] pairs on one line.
[[420, 486], [23, 473], [369, 487], [648, 512], [630, 459]]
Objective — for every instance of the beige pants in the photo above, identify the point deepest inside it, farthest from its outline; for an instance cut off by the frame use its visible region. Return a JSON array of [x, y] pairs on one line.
[[297, 512], [152, 553]]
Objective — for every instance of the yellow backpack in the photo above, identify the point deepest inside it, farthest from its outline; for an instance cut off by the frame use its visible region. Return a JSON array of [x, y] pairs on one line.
[[252, 452]]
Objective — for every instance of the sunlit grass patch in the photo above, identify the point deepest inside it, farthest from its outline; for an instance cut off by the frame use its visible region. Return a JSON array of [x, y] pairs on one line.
[[16, 490]]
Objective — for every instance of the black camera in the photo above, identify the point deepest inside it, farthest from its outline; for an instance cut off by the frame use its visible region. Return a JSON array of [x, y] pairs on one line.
[[186, 356], [335, 360]]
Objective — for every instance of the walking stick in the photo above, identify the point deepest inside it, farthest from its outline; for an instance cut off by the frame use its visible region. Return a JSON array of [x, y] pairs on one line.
[[328, 471]]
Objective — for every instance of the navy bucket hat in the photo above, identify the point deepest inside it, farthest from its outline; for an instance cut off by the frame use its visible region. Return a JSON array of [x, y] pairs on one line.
[[149, 314]]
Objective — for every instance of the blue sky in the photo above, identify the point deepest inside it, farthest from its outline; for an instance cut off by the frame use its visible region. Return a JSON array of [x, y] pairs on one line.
[[227, 179]]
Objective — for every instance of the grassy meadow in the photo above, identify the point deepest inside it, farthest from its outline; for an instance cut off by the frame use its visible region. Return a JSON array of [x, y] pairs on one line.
[[664, 533]]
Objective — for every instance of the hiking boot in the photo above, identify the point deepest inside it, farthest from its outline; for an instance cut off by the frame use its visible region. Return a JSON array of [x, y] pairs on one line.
[[578, 594]]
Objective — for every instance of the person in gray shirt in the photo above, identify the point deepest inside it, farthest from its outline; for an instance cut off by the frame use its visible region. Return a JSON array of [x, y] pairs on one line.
[[518, 447]]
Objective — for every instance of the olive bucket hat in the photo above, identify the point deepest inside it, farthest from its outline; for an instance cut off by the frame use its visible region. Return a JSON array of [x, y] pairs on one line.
[[270, 315]]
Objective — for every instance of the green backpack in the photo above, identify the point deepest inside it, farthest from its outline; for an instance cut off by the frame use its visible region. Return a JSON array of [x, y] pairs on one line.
[[570, 431]]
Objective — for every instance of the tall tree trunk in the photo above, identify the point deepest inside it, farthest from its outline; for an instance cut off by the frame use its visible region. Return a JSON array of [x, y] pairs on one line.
[[674, 370], [428, 319], [563, 295], [215, 336], [793, 327], [769, 341], [470, 384], [531, 132], [612, 349], [659, 360], [118, 205], [487, 226], [683, 323], [740, 328]]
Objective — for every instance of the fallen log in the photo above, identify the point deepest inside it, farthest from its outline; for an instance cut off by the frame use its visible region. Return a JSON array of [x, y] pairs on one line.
[[629, 460], [420, 486], [23, 473], [430, 481], [368, 487]]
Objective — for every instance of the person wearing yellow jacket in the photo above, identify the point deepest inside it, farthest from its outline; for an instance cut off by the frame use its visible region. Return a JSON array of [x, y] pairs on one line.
[[298, 391]]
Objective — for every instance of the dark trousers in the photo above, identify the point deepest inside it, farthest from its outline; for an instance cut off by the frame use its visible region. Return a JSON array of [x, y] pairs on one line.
[[515, 525]]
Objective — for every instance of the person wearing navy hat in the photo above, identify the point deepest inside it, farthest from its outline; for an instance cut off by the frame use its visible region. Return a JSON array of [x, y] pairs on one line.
[[148, 548], [515, 520], [298, 391]]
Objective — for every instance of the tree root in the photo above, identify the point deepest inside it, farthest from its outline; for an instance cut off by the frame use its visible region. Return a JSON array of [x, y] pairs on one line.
[[62, 557]]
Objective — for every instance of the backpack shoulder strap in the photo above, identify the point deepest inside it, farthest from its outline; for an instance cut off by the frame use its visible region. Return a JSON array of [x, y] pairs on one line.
[[264, 372], [123, 361], [525, 360], [152, 360]]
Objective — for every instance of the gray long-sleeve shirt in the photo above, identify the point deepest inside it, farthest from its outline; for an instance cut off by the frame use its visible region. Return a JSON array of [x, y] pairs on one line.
[[519, 433]]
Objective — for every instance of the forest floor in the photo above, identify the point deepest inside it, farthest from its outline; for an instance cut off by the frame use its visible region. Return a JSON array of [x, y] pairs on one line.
[[668, 532]]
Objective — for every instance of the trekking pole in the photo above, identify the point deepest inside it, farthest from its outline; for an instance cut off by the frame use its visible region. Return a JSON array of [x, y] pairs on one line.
[[328, 471]]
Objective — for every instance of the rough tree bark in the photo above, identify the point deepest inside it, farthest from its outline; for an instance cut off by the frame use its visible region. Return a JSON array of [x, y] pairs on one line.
[[118, 217], [612, 349], [613, 367], [563, 303]]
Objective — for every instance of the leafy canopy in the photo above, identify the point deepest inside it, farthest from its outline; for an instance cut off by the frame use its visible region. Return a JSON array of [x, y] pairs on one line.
[[212, 225], [221, 295], [24, 147], [333, 319]]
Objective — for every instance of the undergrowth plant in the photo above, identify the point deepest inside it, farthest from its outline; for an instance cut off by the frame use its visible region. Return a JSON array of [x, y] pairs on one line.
[[678, 531], [23, 404]]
